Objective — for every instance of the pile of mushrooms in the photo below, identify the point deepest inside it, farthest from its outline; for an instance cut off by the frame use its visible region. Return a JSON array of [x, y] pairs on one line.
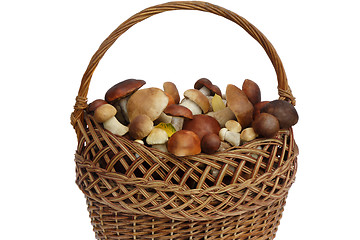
[[205, 120]]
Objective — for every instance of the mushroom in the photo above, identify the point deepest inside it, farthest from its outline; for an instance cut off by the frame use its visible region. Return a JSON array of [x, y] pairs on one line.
[[172, 90], [238, 102], [184, 143], [205, 86], [195, 101], [231, 137], [233, 126], [157, 136], [222, 116], [140, 126], [118, 95], [266, 125], [202, 125], [147, 101], [258, 107], [94, 105], [210, 143], [105, 114], [284, 111], [252, 91], [248, 134], [178, 113]]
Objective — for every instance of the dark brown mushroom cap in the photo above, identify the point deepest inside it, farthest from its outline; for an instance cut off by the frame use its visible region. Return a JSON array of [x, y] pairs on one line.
[[184, 143], [123, 89], [266, 125], [202, 124], [210, 143], [284, 111], [208, 84], [176, 110]]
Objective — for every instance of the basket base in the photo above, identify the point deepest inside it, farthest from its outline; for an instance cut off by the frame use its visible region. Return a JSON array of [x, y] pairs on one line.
[[261, 224]]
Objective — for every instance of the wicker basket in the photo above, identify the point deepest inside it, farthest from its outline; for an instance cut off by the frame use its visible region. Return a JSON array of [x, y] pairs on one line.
[[136, 192]]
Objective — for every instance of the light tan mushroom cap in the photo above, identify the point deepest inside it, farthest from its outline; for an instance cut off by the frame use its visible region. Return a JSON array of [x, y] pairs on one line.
[[147, 101], [104, 113], [157, 136], [199, 98]]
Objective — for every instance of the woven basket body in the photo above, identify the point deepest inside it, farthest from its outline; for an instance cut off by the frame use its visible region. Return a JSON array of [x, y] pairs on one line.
[[136, 192]]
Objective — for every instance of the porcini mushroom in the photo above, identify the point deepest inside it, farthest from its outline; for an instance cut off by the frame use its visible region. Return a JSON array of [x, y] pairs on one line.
[[210, 143], [284, 111], [118, 95], [252, 91], [148, 101], [140, 126], [248, 134], [233, 126], [222, 116], [195, 101], [266, 125], [184, 143], [178, 113], [172, 90], [105, 114], [231, 137], [157, 136], [205, 86], [94, 105], [202, 125], [238, 102]]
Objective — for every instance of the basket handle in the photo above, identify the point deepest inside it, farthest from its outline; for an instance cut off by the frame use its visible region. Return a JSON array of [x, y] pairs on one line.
[[284, 90]]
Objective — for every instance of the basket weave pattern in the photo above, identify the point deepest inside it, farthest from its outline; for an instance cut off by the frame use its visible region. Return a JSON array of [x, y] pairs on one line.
[[136, 192]]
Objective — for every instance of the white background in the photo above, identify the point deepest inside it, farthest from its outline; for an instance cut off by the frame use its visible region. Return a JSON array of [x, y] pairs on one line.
[[46, 46]]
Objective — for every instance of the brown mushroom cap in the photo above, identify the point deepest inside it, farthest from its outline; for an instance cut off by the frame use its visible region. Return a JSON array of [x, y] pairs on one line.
[[208, 84], [123, 89], [104, 113], [258, 107], [238, 102], [210, 143], [199, 98], [184, 143], [202, 125], [94, 105], [266, 125], [176, 110], [172, 90], [140, 126], [284, 111], [252, 91], [148, 101]]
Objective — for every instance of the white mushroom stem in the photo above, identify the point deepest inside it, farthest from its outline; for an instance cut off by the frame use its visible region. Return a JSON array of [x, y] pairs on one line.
[[205, 91], [231, 137], [163, 118], [222, 116], [115, 127], [177, 123], [123, 105], [191, 105]]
